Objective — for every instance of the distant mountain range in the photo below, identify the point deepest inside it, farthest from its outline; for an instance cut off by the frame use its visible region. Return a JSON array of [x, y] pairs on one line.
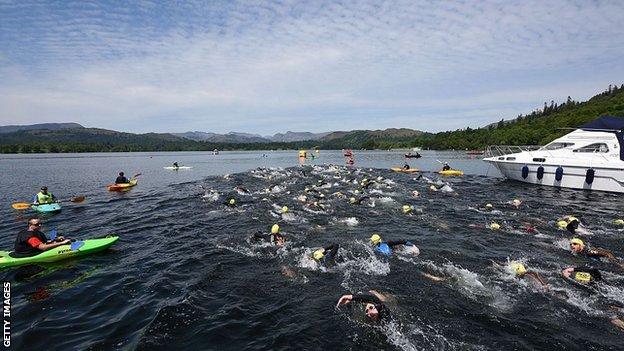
[[538, 127]]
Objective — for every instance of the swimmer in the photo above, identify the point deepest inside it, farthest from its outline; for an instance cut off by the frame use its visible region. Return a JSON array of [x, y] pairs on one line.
[[354, 201], [582, 275], [516, 202], [571, 224], [374, 305], [241, 190], [578, 247], [521, 272], [386, 247], [275, 237], [326, 255], [231, 203]]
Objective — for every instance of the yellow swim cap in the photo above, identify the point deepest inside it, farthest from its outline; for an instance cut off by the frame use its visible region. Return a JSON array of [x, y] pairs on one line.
[[518, 268], [516, 202], [407, 208], [232, 202], [618, 222], [577, 241], [352, 200], [318, 254], [375, 239], [582, 277], [433, 188], [488, 206], [275, 229], [356, 191], [562, 224], [494, 226], [284, 209]]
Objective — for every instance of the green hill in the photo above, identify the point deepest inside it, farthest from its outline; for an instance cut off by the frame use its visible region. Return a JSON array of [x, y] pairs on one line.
[[537, 128]]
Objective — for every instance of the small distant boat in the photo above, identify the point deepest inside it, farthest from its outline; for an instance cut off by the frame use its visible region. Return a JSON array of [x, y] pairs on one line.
[[410, 155], [347, 152], [475, 152]]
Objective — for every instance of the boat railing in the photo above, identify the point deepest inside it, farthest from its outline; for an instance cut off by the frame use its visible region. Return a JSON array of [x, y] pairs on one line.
[[501, 150]]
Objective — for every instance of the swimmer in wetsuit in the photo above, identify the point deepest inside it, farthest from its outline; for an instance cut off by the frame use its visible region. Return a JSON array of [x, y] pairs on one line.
[[578, 247], [375, 308], [387, 246], [326, 254], [275, 237]]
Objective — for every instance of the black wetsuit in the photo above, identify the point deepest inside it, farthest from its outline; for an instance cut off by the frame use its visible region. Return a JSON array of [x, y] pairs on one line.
[[384, 313], [572, 226], [330, 253], [272, 238], [23, 248], [446, 168], [121, 180], [394, 243], [406, 166]]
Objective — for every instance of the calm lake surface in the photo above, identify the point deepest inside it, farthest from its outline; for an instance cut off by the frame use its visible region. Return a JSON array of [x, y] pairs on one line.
[[185, 275]]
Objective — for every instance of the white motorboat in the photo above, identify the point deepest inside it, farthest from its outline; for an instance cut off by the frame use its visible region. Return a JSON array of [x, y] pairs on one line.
[[590, 157]]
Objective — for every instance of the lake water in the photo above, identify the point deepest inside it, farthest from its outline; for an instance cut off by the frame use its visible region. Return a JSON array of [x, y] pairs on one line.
[[185, 275]]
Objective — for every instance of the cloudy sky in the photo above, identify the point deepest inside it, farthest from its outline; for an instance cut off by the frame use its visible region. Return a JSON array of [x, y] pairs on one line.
[[272, 66]]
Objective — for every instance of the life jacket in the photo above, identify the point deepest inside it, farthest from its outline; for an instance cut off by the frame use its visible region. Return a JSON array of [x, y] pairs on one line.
[[44, 198], [23, 248], [384, 249]]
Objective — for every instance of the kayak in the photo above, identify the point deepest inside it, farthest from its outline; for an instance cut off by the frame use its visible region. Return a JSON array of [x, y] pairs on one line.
[[47, 208], [122, 187], [78, 248], [176, 168], [401, 170], [451, 172]]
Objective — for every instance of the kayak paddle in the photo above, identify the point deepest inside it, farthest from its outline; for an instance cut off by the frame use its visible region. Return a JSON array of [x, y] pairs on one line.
[[26, 205]]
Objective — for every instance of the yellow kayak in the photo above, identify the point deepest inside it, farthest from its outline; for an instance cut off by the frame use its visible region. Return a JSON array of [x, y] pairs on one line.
[[452, 172], [401, 170], [122, 187]]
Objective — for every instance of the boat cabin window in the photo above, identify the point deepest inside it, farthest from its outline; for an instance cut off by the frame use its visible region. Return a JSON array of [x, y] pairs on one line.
[[559, 145], [597, 147]]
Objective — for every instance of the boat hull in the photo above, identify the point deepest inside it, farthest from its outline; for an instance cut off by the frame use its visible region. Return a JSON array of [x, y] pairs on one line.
[[574, 177]]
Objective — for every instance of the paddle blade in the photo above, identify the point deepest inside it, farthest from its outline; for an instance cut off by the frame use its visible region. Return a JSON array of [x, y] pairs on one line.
[[77, 199], [136, 175], [76, 245], [53, 234], [21, 205]]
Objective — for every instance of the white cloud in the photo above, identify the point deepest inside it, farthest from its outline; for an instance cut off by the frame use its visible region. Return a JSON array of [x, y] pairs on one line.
[[338, 65]]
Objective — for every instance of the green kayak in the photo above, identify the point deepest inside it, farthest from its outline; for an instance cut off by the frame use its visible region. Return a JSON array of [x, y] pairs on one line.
[[47, 208], [78, 248]]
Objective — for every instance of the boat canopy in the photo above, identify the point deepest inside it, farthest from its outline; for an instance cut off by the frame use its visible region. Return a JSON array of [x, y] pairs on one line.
[[610, 124]]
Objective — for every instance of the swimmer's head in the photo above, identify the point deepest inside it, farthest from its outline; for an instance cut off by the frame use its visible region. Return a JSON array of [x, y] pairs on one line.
[[516, 202], [518, 268], [352, 200], [494, 226], [371, 311], [488, 206], [576, 245], [319, 254], [375, 239], [407, 208], [562, 224], [284, 209], [275, 229], [433, 188], [232, 202]]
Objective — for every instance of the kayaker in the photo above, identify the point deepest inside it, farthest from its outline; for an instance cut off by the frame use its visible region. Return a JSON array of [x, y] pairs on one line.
[[406, 166], [578, 247], [44, 197], [274, 238], [31, 241], [374, 305], [121, 179], [446, 167], [175, 165], [386, 247], [326, 255]]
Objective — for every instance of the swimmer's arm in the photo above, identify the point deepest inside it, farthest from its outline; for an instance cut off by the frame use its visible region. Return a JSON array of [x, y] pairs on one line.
[[366, 298], [261, 235], [538, 279]]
